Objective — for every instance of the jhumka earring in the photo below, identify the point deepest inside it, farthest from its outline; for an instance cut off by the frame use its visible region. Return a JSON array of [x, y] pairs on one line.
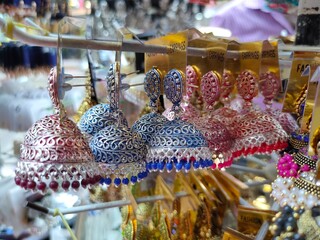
[[54, 153], [216, 134], [254, 131], [177, 143], [120, 153], [148, 124], [101, 115]]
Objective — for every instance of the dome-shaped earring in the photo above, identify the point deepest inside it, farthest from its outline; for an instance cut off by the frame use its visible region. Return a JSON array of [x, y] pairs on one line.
[[120, 153], [177, 143], [217, 135], [101, 115], [54, 153], [148, 124], [254, 131]]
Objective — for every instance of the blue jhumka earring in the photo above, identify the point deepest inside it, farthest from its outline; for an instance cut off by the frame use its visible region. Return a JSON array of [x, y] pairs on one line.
[[148, 124], [177, 143], [120, 153]]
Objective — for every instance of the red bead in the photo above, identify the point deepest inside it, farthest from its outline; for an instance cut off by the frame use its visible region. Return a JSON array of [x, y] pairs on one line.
[[31, 185], [17, 180], [42, 186], [54, 185], [23, 183], [75, 184], [84, 183], [97, 178], [214, 166], [65, 185], [92, 181]]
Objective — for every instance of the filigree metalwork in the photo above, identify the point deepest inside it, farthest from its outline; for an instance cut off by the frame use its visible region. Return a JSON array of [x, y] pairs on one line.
[[116, 146], [148, 124], [54, 153], [99, 117], [119, 152], [178, 144], [173, 88]]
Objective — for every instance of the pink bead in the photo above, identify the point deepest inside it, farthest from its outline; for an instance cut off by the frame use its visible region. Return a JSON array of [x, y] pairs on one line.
[[305, 168], [294, 166], [293, 172]]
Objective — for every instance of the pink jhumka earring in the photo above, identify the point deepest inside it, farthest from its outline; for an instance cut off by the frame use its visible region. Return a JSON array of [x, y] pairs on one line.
[[215, 132], [254, 131]]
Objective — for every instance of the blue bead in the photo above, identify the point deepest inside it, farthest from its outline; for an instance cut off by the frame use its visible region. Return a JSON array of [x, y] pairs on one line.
[[187, 166], [149, 166], [196, 164], [154, 166], [210, 163], [134, 179], [299, 137], [101, 181], [107, 181], [140, 175], [125, 181], [117, 181], [179, 166], [306, 138], [160, 165], [169, 166], [145, 174], [202, 163]]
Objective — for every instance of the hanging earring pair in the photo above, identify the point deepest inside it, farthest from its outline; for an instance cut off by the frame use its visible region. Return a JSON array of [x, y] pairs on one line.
[[54, 154], [218, 137], [254, 131], [177, 143]]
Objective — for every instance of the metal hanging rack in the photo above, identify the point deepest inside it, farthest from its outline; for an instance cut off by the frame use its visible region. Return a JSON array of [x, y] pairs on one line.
[[125, 46]]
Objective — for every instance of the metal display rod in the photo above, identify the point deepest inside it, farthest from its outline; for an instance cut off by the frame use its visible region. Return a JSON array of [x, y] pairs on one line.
[[126, 45]]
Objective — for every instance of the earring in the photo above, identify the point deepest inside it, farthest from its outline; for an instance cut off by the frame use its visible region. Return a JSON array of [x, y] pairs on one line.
[[218, 137], [177, 143], [254, 131], [102, 115], [148, 124], [54, 153], [120, 153]]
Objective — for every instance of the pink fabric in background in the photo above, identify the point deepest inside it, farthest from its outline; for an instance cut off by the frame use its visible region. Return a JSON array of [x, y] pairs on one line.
[[250, 20]]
